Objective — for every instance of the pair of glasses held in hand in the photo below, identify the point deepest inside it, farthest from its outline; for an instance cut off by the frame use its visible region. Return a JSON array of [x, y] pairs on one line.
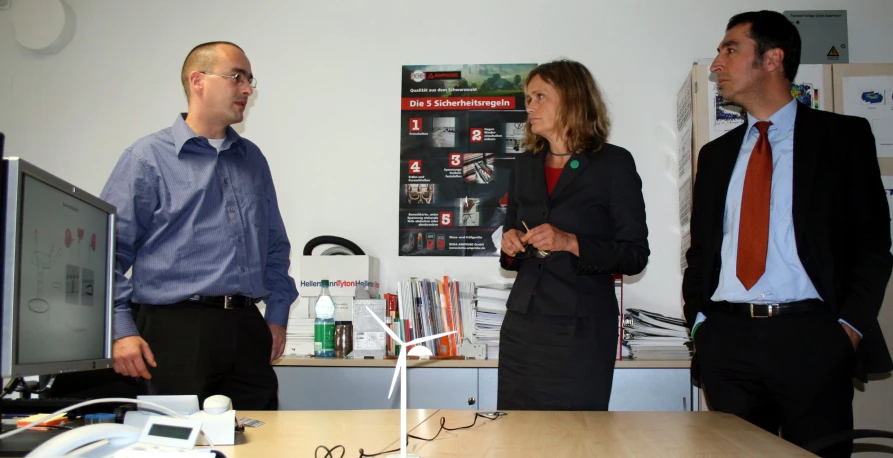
[[529, 250]]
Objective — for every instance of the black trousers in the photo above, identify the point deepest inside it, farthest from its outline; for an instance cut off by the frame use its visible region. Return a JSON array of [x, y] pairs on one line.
[[205, 350], [551, 362], [789, 374]]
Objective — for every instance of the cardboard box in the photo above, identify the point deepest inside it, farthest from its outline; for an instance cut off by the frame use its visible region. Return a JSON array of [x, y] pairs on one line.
[[346, 275]]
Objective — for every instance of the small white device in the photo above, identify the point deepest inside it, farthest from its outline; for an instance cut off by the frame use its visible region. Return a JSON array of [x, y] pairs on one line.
[[182, 404], [217, 404], [171, 432], [477, 351], [218, 420]]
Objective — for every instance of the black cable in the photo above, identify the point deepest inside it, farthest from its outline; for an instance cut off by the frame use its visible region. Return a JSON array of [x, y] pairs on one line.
[[329, 452], [335, 240], [487, 415]]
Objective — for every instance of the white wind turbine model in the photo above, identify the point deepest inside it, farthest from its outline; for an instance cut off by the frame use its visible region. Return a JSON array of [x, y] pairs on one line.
[[417, 350]]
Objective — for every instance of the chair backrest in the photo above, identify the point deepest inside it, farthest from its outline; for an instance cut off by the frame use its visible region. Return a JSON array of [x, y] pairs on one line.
[[830, 440]]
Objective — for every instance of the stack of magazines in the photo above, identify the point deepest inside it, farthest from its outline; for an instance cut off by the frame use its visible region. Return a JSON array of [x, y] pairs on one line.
[[650, 335], [490, 311]]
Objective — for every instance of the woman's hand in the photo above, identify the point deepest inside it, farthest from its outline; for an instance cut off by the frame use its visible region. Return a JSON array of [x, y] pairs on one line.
[[511, 242], [547, 237]]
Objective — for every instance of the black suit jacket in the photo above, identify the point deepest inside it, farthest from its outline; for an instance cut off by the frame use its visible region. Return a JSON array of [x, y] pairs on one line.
[[600, 201], [841, 223]]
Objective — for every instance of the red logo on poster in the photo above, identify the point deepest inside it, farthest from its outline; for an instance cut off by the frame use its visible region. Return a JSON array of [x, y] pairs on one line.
[[415, 124], [477, 134], [446, 218], [415, 166], [455, 160]]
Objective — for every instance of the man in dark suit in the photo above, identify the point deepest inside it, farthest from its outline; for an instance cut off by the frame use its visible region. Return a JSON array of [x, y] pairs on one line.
[[790, 247]]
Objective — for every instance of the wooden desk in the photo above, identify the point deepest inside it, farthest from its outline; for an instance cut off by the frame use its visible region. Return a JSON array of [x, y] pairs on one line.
[[609, 434], [298, 433], [520, 434]]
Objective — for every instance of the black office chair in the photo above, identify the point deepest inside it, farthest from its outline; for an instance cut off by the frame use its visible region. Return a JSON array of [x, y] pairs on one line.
[[830, 440]]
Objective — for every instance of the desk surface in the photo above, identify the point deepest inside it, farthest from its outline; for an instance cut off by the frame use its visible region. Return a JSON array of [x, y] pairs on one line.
[[519, 434], [299, 432]]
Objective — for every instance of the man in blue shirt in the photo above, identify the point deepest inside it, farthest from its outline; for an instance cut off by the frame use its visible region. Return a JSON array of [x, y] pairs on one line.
[[790, 248], [199, 225]]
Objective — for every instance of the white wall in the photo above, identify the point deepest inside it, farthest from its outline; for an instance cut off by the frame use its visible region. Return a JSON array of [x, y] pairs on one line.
[[326, 112]]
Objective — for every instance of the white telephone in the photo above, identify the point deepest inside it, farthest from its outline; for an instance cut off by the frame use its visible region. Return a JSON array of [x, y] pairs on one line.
[[101, 440], [218, 417], [171, 434]]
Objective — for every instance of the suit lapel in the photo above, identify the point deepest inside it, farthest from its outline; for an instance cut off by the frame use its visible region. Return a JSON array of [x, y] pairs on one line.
[[537, 177], [573, 169], [727, 153], [806, 144]]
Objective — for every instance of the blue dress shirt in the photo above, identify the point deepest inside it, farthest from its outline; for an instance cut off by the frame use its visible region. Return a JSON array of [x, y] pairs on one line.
[[192, 221], [785, 279]]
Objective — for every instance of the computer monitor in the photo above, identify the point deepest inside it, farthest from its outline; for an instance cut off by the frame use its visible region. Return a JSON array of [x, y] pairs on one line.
[[58, 252]]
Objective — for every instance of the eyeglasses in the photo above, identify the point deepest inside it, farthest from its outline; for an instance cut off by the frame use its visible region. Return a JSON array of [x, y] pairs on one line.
[[238, 79], [530, 252]]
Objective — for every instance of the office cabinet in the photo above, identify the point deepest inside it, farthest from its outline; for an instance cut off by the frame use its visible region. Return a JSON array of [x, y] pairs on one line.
[[309, 384]]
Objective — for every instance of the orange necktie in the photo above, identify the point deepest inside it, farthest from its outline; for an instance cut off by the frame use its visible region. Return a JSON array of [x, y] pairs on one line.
[[753, 226]]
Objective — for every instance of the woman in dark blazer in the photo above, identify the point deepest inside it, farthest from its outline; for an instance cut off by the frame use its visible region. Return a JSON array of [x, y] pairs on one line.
[[575, 217]]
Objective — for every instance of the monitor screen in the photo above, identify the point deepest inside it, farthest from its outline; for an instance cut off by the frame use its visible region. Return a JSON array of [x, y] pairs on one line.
[[58, 275]]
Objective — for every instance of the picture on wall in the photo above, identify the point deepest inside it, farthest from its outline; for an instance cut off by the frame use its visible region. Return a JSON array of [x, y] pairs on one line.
[[461, 128]]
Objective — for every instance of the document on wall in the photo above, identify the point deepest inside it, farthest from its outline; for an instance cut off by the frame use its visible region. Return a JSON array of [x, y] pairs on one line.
[[723, 114], [807, 88], [871, 97], [685, 175], [461, 128]]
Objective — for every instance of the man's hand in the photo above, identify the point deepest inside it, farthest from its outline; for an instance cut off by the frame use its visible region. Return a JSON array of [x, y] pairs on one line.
[[128, 353], [511, 242], [278, 333], [547, 237], [854, 336]]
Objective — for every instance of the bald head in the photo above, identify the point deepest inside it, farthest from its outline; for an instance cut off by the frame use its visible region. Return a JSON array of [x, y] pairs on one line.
[[201, 58]]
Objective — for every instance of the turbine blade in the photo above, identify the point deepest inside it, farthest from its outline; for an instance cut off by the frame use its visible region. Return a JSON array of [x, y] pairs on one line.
[[427, 338], [401, 360], [386, 328]]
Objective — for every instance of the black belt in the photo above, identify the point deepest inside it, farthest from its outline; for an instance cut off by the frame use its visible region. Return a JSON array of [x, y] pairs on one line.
[[768, 310], [225, 302]]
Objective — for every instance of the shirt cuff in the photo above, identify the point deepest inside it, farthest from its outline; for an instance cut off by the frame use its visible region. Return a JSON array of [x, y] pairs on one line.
[[124, 325], [277, 314], [698, 320], [850, 326]]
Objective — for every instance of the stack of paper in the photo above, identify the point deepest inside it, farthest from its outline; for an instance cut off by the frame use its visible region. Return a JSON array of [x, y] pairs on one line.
[[650, 335], [299, 337], [489, 313]]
